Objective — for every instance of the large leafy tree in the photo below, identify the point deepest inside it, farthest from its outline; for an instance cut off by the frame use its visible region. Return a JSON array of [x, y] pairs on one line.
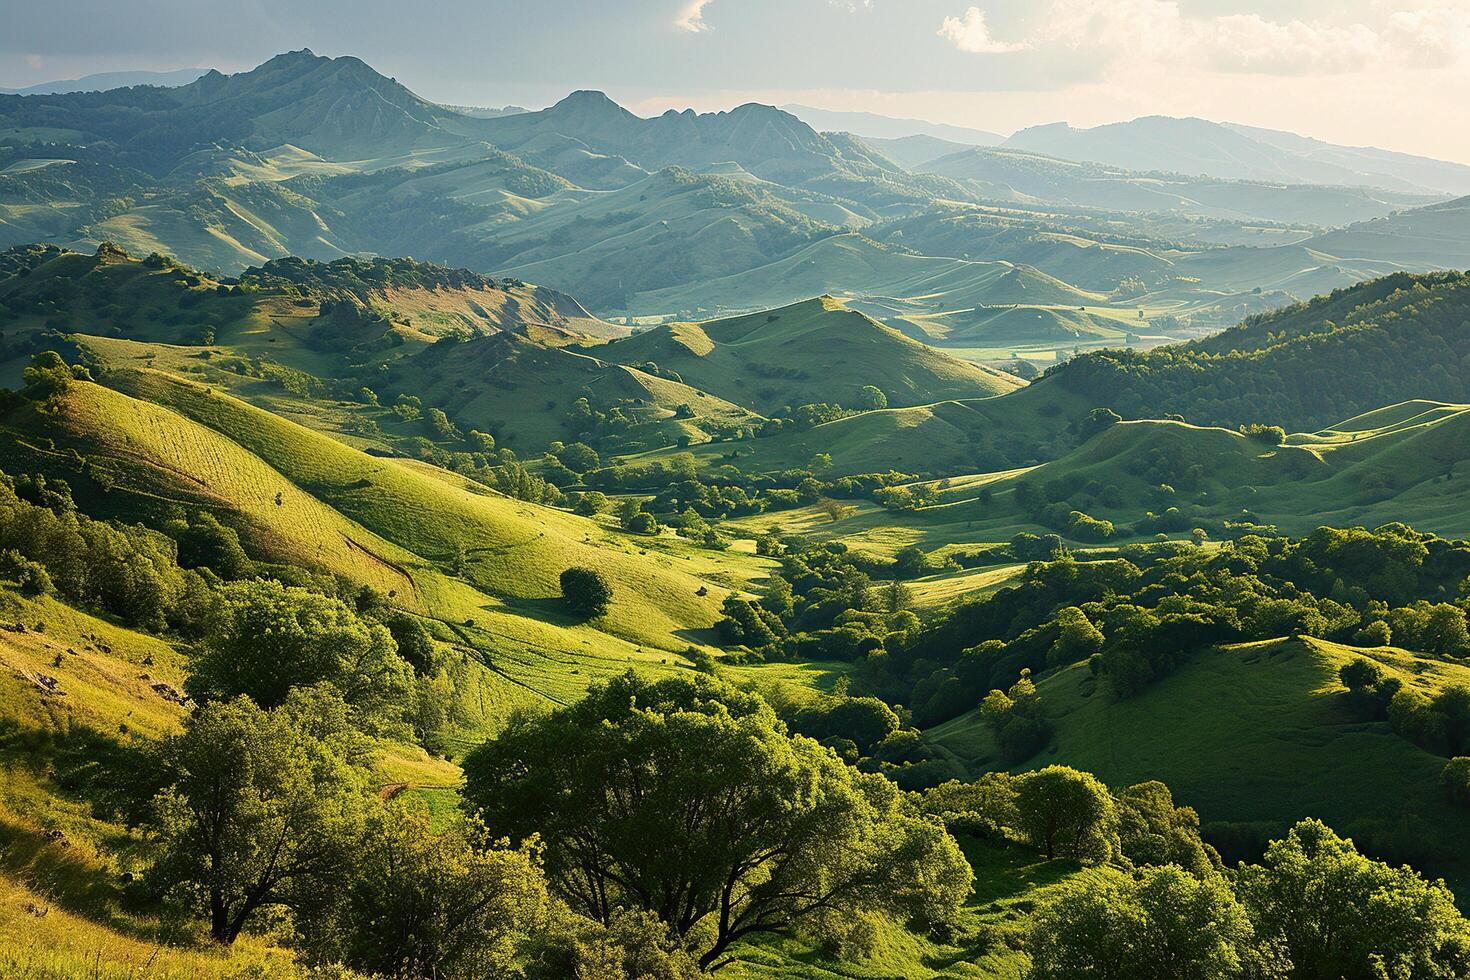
[[1162, 925], [262, 809], [688, 798], [1067, 812], [417, 903], [266, 638], [1341, 914]]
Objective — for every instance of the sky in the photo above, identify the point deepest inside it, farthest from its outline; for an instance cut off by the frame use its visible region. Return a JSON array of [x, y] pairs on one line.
[[1360, 72]]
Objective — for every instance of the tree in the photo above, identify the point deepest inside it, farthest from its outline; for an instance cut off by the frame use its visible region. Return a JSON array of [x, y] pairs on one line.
[[910, 562], [1455, 778], [590, 503], [1067, 812], [579, 457], [418, 904], [260, 809], [1014, 716], [1340, 914], [1163, 925], [265, 638], [1077, 639], [687, 798], [205, 542], [586, 590], [873, 398], [835, 510], [1153, 831], [1098, 420]]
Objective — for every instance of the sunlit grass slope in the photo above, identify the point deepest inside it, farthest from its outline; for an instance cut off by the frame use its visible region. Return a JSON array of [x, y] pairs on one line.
[[816, 350], [394, 525]]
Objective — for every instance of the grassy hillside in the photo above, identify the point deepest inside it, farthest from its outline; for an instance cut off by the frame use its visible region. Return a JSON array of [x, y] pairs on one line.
[[337, 305], [1020, 326], [397, 526], [1381, 342], [1402, 463], [1257, 735], [521, 391], [758, 359]]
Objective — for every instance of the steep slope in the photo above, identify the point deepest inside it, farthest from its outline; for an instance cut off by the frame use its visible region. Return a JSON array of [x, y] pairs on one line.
[[390, 524], [814, 351], [767, 142], [329, 306], [336, 107]]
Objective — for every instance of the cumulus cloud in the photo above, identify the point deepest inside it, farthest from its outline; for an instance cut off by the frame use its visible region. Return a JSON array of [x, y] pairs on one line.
[[971, 33], [1158, 30], [691, 17]]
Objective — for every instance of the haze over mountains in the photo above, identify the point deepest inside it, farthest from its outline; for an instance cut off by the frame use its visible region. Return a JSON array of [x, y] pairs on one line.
[[324, 157]]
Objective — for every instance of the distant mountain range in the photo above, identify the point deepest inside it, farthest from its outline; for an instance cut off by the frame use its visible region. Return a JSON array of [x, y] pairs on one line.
[[1198, 146], [888, 127], [103, 81], [698, 214]]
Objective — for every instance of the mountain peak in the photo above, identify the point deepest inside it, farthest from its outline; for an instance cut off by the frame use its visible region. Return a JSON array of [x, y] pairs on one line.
[[584, 99]]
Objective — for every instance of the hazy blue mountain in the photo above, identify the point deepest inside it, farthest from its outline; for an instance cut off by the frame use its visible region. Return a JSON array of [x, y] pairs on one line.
[[889, 127], [103, 81], [1007, 173], [1198, 146]]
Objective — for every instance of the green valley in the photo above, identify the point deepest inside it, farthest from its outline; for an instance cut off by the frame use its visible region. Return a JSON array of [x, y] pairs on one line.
[[443, 541]]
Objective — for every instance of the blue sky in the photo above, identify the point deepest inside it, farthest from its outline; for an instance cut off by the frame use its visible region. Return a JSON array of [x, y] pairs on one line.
[[1358, 71]]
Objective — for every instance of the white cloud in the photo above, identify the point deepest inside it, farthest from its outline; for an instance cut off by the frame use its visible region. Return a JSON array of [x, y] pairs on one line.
[[691, 17], [1159, 31], [971, 34]]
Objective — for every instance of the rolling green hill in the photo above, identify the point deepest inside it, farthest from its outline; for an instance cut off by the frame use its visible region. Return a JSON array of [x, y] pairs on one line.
[[856, 267], [754, 359], [1018, 326], [1256, 735], [1381, 342], [303, 498], [521, 391]]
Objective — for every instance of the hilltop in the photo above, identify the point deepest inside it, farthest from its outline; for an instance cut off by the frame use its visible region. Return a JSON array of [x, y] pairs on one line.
[[756, 359], [524, 393]]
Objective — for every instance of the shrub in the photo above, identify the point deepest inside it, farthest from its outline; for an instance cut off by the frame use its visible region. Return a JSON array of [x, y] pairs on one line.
[[587, 591]]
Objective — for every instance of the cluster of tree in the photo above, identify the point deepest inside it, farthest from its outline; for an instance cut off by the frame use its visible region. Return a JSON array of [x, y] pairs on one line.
[[804, 417], [1134, 616], [724, 491], [265, 818], [1157, 902], [821, 605]]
